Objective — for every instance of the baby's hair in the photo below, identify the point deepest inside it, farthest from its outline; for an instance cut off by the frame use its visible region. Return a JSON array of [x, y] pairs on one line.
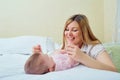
[[35, 65]]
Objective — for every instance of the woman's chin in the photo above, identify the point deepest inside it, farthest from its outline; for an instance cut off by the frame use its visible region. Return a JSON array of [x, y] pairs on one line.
[[70, 42]]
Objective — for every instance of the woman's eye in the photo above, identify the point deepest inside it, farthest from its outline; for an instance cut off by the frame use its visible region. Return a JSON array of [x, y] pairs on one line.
[[66, 29], [75, 30]]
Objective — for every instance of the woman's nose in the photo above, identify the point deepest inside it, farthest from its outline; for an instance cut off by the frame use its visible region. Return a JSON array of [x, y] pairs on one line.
[[70, 33]]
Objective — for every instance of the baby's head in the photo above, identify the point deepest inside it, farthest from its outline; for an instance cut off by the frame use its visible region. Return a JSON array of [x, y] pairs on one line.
[[36, 64]]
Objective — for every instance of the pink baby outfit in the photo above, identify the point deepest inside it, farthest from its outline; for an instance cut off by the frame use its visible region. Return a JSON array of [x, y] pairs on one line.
[[63, 61]]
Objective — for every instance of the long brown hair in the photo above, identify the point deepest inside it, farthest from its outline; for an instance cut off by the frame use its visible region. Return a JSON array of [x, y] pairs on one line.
[[87, 34]]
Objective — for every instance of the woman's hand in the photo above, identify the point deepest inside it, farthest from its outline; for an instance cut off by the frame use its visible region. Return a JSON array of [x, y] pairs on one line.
[[74, 52]]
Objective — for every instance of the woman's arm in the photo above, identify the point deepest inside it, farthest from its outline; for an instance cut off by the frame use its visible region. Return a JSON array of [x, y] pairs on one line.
[[102, 61]]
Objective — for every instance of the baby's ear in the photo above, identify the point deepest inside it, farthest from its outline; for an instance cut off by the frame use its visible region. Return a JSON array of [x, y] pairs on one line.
[[51, 69]]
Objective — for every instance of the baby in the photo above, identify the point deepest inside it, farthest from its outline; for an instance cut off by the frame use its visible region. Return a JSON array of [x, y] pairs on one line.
[[39, 63]]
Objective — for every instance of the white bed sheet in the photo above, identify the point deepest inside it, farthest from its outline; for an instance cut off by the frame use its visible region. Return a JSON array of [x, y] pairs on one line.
[[12, 68]]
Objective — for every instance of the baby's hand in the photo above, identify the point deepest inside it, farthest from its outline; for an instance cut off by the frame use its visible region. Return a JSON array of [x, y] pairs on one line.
[[37, 49]]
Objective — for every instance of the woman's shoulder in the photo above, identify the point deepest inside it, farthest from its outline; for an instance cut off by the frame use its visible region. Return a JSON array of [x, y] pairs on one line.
[[94, 50], [98, 46], [89, 48]]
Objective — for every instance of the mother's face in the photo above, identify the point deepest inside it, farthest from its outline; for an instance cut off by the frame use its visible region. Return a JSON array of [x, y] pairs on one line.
[[73, 34]]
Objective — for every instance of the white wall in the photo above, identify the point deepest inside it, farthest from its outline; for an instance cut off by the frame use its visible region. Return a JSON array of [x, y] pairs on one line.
[[110, 7], [47, 17]]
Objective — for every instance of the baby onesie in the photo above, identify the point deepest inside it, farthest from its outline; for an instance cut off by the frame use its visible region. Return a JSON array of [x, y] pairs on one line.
[[63, 61]]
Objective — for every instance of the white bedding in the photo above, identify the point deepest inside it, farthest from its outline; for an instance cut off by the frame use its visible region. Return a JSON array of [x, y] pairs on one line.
[[15, 51], [12, 68]]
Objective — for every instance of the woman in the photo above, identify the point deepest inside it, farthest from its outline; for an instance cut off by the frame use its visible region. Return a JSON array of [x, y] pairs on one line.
[[81, 44]]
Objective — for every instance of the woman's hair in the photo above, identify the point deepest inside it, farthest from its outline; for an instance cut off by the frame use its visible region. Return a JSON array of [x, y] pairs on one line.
[[87, 34], [35, 65]]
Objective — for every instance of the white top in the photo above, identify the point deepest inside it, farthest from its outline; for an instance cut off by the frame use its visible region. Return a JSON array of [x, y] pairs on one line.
[[93, 51]]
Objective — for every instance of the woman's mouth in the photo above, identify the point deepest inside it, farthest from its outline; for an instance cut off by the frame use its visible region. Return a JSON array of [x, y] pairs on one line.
[[71, 38]]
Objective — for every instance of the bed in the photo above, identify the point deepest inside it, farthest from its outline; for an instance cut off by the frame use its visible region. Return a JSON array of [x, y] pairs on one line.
[[15, 51]]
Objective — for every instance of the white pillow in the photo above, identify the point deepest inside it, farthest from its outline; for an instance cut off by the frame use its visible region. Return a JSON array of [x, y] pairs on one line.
[[24, 44]]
